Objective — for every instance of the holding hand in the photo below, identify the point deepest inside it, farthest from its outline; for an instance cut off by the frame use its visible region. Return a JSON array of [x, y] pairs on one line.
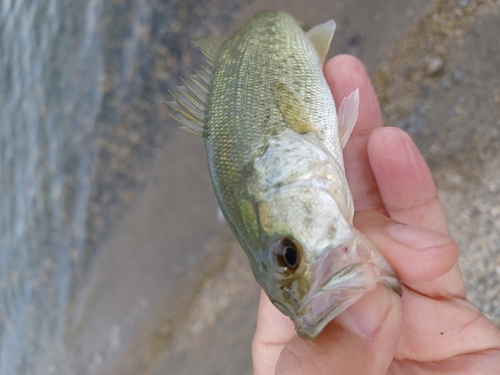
[[432, 329]]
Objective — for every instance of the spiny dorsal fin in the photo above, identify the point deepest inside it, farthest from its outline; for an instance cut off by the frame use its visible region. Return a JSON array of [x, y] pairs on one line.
[[348, 114], [292, 109], [191, 98], [190, 101], [321, 36], [209, 46]]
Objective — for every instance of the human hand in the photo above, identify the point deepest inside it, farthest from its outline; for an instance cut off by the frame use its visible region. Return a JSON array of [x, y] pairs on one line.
[[432, 328]]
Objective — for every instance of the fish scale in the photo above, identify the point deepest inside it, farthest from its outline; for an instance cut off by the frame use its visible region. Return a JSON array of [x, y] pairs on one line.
[[274, 149], [234, 139]]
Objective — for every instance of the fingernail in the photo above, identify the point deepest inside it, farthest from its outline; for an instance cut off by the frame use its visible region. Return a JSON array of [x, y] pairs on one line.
[[366, 316], [418, 237]]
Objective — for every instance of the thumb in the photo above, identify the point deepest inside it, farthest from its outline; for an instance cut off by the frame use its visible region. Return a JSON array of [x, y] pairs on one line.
[[362, 340]]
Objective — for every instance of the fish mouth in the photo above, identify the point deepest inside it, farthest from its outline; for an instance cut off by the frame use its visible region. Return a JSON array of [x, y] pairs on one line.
[[341, 291], [340, 277]]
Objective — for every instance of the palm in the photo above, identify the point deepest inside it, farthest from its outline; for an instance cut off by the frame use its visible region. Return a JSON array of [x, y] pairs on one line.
[[437, 330], [445, 342]]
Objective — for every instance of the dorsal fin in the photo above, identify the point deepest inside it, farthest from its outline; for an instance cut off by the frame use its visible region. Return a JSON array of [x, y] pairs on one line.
[[209, 46], [292, 109], [190, 101], [191, 98], [321, 36], [348, 114]]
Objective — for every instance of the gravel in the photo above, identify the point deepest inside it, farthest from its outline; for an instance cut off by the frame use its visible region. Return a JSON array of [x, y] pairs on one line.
[[461, 138]]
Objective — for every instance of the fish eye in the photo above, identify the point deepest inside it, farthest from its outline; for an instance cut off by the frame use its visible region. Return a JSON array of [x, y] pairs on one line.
[[285, 255]]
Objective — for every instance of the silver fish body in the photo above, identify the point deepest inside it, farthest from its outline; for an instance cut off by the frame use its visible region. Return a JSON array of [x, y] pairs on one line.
[[274, 149]]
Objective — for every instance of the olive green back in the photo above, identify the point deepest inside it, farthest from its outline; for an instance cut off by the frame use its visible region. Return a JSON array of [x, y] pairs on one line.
[[267, 78]]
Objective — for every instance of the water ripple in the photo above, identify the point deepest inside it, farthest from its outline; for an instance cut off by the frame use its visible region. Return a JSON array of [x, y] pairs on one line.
[[50, 98]]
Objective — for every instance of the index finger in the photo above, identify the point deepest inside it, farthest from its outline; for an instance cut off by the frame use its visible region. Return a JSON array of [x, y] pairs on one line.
[[345, 74]]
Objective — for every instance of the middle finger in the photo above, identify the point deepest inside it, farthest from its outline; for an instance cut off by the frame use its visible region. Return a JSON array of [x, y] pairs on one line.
[[345, 74]]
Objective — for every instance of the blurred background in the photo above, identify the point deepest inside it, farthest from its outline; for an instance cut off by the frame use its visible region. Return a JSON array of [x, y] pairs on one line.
[[114, 258]]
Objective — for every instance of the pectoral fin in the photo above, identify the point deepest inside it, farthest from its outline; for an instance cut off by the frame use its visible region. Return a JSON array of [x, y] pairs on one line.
[[348, 114], [292, 109], [321, 36]]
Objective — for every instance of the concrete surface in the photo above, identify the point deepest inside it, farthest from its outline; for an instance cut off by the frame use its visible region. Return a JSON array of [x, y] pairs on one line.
[[174, 293], [454, 117]]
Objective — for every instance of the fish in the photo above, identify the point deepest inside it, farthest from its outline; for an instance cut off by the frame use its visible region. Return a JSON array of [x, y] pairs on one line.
[[274, 145]]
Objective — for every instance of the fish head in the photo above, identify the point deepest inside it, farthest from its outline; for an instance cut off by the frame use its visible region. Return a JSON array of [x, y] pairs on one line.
[[309, 259], [315, 262]]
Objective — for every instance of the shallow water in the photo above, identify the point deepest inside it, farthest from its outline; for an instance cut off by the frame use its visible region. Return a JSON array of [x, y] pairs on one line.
[[51, 96], [67, 152]]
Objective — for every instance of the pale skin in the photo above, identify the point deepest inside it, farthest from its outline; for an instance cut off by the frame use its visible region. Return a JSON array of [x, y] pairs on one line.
[[432, 328]]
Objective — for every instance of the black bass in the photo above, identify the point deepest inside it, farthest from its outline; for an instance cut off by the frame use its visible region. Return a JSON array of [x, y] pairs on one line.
[[274, 147]]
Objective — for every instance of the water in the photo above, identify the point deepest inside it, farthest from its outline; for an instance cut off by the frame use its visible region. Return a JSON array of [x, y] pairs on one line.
[[68, 150], [51, 96]]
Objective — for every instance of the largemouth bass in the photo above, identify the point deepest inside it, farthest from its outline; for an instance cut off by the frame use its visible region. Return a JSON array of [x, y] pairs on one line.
[[274, 147]]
